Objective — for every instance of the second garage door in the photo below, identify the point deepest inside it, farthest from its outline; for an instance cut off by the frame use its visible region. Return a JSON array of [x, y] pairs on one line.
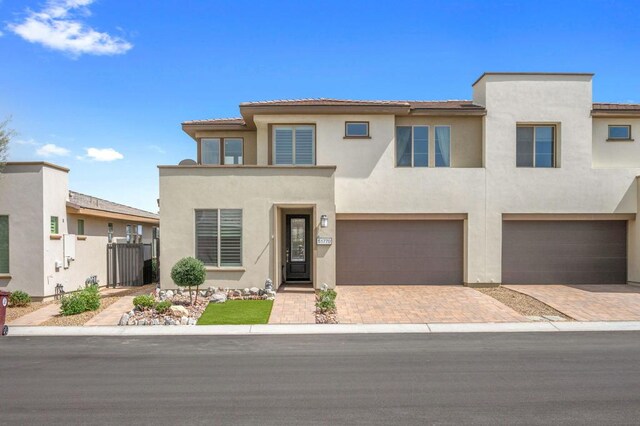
[[564, 252], [392, 252]]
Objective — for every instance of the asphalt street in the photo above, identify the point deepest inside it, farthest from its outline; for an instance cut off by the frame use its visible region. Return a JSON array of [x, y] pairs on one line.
[[501, 378]]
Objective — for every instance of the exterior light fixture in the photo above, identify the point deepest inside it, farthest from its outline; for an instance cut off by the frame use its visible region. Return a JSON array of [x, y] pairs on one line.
[[324, 221]]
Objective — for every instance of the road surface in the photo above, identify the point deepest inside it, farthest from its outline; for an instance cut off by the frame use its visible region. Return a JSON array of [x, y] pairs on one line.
[[507, 378]]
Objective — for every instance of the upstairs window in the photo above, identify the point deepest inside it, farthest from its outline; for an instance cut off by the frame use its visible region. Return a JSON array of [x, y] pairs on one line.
[[535, 146], [80, 227], [128, 233], [294, 145], [356, 129], [412, 146], [218, 151], [443, 146], [110, 232], [54, 225], [619, 133]]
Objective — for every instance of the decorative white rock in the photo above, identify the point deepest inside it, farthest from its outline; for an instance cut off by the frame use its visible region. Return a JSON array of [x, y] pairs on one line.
[[178, 310], [218, 298]]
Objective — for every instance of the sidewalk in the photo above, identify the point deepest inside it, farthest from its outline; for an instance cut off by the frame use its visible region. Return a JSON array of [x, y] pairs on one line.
[[272, 329]]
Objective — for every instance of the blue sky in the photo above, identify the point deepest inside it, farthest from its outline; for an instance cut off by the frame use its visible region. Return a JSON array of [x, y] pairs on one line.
[[101, 86]]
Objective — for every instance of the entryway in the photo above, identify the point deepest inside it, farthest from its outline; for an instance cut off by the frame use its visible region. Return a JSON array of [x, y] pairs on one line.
[[295, 248]]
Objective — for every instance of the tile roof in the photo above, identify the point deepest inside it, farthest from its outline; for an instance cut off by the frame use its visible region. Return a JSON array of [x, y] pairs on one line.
[[323, 102], [602, 106], [84, 201], [235, 121]]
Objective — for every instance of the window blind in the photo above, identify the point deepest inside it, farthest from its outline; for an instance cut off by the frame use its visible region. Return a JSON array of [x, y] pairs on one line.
[[207, 236], [304, 146], [231, 237], [284, 146]]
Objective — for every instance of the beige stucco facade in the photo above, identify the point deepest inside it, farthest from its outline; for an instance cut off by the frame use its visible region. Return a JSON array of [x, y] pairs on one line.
[[30, 193], [593, 178]]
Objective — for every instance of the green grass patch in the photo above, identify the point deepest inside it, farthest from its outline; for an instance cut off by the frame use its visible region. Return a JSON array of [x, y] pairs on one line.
[[237, 312]]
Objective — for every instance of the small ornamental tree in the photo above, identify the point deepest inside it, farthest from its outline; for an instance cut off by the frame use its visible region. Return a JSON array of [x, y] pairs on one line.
[[189, 272]]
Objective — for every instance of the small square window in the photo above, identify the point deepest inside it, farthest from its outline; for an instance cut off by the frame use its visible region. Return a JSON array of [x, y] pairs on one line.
[[54, 224], [620, 133], [356, 129]]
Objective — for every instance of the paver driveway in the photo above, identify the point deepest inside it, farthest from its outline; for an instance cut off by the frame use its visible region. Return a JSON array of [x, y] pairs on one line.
[[588, 302], [419, 304]]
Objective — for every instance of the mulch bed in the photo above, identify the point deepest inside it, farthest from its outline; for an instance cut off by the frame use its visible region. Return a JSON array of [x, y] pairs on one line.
[[521, 303], [105, 302]]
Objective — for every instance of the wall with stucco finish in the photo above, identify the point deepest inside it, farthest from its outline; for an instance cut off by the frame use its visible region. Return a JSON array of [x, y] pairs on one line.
[[258, 191], [21, 199]]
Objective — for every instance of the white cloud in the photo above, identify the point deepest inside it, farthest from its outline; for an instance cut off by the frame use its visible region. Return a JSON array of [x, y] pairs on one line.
[[50, 149], [29, 142], [59, 26], [104, 154], [157, 149]]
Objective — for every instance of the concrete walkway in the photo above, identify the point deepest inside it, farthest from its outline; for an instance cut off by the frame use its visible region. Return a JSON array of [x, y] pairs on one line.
[[111, 315], [37, 317]]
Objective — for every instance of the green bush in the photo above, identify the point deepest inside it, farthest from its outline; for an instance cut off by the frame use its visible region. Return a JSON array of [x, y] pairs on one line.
[[162, 307], [326, 300], [189, 272], [19, 298], [87, 299], [144, 301]]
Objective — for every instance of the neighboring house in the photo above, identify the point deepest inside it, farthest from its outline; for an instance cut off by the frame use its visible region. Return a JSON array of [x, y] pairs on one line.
[[528, 182], [43, 226]]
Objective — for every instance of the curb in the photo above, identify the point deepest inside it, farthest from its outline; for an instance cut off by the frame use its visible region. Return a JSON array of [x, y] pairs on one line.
[[281, 329]]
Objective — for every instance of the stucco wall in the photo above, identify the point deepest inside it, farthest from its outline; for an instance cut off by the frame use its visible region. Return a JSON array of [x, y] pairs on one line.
[[255, 190], [21, 200], [573, 187], [618, 154]]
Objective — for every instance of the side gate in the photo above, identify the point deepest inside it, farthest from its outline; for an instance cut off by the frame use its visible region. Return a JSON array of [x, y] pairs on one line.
[[125, 264]]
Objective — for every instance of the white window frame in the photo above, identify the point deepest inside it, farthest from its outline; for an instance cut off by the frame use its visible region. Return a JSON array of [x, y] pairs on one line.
[[428, 126], [293, 141], [219, 240]]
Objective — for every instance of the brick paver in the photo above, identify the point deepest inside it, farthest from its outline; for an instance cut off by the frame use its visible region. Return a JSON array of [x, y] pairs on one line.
[[294, 305], [419, 304], [588, 302]]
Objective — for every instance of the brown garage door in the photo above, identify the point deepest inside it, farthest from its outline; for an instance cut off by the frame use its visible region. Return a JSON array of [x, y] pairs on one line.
[[564, 252], [399, 252]]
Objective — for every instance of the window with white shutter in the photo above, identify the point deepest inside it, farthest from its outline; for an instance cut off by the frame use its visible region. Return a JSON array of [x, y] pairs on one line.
[[219, 237], [294, 145]]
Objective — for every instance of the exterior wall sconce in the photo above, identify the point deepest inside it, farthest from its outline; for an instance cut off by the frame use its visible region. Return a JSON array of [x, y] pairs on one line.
[[324, 221]]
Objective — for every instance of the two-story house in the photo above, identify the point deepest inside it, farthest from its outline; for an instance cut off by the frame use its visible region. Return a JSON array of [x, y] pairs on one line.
[[528, 182]]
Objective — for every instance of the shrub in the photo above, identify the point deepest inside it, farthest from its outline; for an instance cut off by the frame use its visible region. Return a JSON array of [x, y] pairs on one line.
[[189, 272], [144, 301], [162, 307], [87, 299], [326, 300], [19, 298]]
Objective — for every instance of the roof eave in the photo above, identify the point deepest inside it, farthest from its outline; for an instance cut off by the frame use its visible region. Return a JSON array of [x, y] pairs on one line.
[[79, 210], [615, 113]]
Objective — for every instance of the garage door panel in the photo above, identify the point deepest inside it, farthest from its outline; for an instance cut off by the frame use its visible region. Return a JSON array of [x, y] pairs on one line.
[[564, 252], [399, 252]]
